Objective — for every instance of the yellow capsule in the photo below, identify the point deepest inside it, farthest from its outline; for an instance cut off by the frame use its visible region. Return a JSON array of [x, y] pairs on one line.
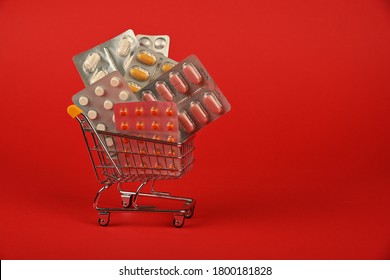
[[139, 73], [146, 58], [134, 87], [167, 66]]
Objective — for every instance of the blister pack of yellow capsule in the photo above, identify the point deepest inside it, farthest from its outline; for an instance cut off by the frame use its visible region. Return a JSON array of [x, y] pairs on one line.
[[110, 56], [145, 66], [157, 43], [198, 98]]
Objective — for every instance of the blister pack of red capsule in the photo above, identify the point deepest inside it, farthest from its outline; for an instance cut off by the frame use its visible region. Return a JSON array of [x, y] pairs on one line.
[[112, 55], [157, 43], [188, 84], [145, 66], [98, 100], [154, 120]]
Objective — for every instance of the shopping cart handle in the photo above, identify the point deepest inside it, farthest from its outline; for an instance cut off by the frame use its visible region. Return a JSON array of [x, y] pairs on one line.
[[74, 111]]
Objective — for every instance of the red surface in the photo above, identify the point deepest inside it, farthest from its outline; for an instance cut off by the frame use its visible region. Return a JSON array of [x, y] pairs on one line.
[[299, 169]]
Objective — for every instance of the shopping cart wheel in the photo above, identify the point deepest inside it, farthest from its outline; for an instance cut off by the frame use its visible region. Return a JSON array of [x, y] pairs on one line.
[[104, 219], [190, 213], [178, 220]]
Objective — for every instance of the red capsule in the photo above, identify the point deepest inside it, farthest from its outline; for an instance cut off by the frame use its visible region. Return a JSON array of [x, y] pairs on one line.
[[171, 153], [169, 111], [186, 122], [154, 111], [200, 115], [212, 103], [155, 125], [123, 112], [138, 111], [178, 82], [192, 73], [171, 139], [148, 96], [164, 91], [139, 125], [124, 125], [170, 126]]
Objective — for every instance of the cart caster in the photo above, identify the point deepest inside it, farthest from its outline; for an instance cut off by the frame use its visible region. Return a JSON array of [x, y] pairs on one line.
[[189, 213], [178, 221], [104, 219]]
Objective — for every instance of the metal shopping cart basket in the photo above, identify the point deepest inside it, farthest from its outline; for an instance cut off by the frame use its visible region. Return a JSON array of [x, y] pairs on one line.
[[119, 159]]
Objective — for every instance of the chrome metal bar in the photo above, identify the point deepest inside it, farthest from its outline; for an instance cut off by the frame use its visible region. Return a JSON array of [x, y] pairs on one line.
[[100, 141]]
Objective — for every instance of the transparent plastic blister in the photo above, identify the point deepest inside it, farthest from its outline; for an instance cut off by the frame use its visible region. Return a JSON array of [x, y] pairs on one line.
[[145, 66], [198, 98], [110, 56], [157, 43], [141, 157], [154, 120], [98, 100]]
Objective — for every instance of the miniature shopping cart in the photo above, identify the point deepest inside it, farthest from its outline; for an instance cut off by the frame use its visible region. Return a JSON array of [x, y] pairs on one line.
[[119, 159]]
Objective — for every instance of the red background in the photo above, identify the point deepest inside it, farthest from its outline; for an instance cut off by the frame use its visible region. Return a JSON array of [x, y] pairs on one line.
[[299, 169]]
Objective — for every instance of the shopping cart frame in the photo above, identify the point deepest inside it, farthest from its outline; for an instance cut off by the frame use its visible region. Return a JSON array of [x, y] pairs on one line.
[[118, 159]]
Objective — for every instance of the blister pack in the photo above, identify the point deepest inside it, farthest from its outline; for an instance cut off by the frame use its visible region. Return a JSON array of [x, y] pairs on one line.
[[146, 157], [112, 55], [98, 100], [188, 84], [145, 66], [154, 120], [157, 43]]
